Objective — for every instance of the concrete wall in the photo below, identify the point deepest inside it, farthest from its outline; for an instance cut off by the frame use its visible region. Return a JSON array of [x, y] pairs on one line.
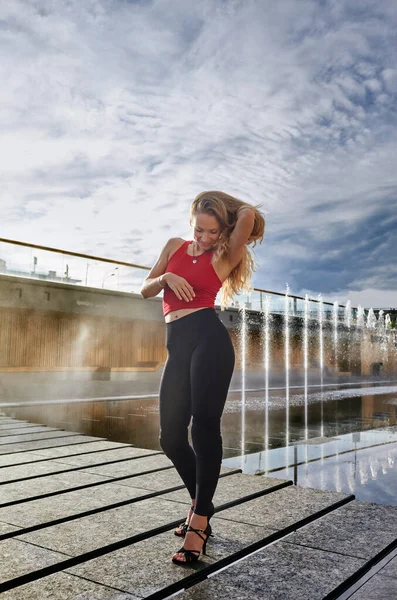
[[18, 292]]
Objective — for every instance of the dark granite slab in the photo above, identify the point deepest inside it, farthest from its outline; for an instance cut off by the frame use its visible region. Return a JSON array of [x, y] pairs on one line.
[[377, 588], [119, 452], [95, 531], [54, 466], [162, 481], [71, 503], [96, 445], [18, 558], [7, 460], [28, 433], [20, 471], [36, 445], [7, 527], [47, 509], [359, 529], [277, 509], [11, 427], [146, 566], [279, 572], [390, 570], [32, 437], [62, 586], [7, 421], [230, 488], [62, 481], [131, 467]]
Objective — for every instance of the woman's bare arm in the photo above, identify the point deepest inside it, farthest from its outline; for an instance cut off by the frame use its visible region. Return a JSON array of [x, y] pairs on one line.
[[240, 235], [156, 279]]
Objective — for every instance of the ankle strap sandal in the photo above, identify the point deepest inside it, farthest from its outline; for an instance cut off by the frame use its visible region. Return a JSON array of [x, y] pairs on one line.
[[193, 555], [183, 527]]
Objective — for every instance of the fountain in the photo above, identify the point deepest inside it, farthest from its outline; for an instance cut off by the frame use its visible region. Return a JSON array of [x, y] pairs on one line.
[[321, 351], [335, 321], [306, 356], [348, 314], [345, 332], [266, 344], [243, 344], [371, 319], [287, 363], [360, 317]]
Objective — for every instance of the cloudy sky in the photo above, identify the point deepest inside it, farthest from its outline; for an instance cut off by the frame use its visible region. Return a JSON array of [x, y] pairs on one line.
[[116, 113]]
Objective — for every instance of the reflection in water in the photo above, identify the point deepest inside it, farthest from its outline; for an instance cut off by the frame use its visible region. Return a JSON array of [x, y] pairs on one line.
[[306, 358], [340, 422], [321, 338], [287, 351], [335, 326], [360, 459], [366, 468], [266, 362], [243, 344], [370, 474], [287, 369]]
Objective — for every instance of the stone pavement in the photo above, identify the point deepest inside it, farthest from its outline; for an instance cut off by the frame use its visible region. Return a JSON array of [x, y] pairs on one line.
[[84, 518]]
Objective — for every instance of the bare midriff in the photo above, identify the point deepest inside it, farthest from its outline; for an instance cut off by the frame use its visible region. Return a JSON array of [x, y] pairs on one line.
[[221, 270], [178, 314]]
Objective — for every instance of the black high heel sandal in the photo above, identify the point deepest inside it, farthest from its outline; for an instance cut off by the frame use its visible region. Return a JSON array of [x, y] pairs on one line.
[[193, 555], [183, 526]]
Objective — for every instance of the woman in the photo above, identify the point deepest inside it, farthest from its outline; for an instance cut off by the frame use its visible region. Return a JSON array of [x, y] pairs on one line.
[[200, 361]]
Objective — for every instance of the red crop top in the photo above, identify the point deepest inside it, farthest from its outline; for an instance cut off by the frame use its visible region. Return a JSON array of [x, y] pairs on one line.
[[201, 276]]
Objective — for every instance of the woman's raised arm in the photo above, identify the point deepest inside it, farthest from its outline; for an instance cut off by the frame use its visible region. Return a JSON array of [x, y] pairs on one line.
[[240, 235]]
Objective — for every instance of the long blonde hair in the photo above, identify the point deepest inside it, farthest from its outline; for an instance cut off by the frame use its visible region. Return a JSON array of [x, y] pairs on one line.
[[224, 208]]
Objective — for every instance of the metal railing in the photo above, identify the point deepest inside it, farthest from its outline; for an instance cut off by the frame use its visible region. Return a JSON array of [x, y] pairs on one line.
[[22, 259]]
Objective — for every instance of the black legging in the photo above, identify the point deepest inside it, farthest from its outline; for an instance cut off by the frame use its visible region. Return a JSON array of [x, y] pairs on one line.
[[195, 382]]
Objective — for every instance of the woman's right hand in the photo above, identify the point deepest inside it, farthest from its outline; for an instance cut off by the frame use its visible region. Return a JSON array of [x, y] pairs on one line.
[[181, 288]]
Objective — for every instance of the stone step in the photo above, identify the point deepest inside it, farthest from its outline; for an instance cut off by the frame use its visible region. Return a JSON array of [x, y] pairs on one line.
[[125, 552], [94, 532]]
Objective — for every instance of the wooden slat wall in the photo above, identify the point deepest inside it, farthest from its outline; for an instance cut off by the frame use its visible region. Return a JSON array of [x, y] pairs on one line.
[[49, 340], [255, 350], [32, 338]]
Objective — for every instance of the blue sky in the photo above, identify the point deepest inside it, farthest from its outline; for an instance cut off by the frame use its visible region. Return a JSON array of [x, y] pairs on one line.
[[115, 114]]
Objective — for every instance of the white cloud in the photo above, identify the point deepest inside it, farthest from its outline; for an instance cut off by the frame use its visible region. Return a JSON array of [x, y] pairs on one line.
[[368, 298], [111, 111]]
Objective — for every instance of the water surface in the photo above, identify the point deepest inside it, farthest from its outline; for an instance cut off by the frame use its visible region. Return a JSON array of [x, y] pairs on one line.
[[341, 438]]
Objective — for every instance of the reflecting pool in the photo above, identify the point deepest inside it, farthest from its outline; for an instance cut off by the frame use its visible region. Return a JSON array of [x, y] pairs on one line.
[[363, 463], [340, 438]]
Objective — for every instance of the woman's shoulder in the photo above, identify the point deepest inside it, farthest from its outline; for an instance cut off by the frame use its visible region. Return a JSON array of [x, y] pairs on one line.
[[174, 244]]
